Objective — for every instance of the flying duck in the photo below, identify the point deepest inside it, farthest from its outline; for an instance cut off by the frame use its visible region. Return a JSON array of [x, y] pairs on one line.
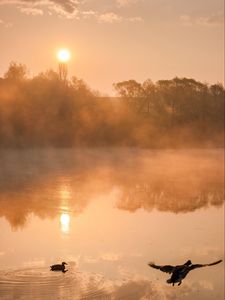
[[180, 272], [59, 267]]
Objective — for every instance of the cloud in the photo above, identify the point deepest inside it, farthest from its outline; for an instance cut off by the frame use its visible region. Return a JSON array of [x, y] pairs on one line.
[[5, 24], [111, 257], [63, 11], [31, 11], [212, 20], [143, 289], [109, 17], [135, 19], [123, 3], [89, 13], [106, 257], [215, 19], [136, 289], [70, 9], [66, 8]]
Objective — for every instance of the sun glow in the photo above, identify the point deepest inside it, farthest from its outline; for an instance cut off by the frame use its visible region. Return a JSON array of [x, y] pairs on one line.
[[65, 222], [63, 55]]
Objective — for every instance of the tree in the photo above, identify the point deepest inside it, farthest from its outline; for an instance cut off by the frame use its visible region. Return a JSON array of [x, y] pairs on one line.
[[16, 72], [149, 94], [129, 89], [49, 75], [132, 92]]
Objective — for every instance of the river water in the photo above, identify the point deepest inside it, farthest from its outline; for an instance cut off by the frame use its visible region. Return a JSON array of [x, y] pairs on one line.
[[107, 213]]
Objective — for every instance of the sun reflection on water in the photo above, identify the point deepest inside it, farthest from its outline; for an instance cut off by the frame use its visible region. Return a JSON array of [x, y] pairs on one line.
[[65, 192], [65, 196], [65, 222]]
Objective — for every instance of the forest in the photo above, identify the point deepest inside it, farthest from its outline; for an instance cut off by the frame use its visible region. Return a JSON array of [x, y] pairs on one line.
[[45, 111]]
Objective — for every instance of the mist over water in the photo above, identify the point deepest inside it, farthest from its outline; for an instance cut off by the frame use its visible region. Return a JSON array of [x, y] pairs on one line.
[[38, 181]]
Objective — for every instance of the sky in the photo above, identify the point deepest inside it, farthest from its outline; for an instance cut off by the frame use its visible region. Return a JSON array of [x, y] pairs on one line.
[[116, 40]]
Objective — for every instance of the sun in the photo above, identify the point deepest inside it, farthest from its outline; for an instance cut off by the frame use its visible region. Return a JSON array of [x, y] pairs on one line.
[[63, 55]]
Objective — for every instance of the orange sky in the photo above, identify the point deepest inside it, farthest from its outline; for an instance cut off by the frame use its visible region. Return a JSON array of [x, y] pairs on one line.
[[114, 40]]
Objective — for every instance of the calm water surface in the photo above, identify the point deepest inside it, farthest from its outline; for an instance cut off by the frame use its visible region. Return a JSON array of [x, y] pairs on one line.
[[107, 213]]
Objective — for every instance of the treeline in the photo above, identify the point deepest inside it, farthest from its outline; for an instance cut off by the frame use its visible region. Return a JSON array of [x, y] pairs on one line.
[[45, 111]]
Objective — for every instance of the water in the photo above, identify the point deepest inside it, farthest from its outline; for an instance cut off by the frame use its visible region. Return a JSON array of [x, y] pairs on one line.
[[107, 213]]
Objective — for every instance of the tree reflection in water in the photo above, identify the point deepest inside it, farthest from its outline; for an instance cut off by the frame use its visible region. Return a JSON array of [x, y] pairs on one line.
[[51, 182]]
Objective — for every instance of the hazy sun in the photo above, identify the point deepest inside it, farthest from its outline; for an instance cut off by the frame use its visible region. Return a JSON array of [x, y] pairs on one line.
[[63, 55]]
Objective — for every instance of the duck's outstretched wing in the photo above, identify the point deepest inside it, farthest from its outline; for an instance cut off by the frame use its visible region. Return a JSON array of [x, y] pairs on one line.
[[167, 268], [205, 265]]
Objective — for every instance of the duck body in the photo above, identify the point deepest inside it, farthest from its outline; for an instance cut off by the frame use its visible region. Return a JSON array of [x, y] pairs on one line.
[[178, 274], [59, 267]]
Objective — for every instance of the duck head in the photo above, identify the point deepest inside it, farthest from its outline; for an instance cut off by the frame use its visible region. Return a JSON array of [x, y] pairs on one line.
[[188, 263]]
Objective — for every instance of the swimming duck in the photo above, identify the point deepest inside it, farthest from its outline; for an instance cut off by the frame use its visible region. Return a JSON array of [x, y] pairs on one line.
[[180, 272], [59, 267]]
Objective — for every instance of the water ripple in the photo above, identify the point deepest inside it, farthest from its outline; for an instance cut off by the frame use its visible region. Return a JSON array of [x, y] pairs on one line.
[[40, 283]]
